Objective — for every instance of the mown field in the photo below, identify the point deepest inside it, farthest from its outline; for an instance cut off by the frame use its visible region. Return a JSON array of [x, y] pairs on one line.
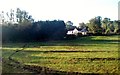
[[91, 54]]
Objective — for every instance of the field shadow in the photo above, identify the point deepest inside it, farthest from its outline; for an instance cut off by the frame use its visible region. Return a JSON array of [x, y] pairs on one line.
[[82, 41], [63, 51], [107, 41]]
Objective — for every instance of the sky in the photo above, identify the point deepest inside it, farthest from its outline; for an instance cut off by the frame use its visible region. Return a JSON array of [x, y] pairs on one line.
[[76, 11]]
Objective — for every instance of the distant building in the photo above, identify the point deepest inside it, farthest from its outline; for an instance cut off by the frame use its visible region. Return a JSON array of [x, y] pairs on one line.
[[77, 31], [83, 31]]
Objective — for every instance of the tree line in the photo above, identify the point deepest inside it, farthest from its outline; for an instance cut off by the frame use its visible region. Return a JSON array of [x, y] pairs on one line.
[[20, 26], [98, 26]]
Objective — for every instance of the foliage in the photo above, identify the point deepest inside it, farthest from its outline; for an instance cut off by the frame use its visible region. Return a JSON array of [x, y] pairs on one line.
[[69, 25], [82, 25], [94, 25], [105, 23], [23, 17], [116, 26], [11, 16], [37, 31], [49, 29], [19, 17]]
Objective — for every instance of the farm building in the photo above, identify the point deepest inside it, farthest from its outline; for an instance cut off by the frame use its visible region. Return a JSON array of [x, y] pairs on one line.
[[77, 31], [83, 31]]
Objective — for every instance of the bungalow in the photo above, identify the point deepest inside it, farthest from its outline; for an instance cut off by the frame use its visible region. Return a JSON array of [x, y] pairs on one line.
[[83, 31], [77, 31], [73, 32]]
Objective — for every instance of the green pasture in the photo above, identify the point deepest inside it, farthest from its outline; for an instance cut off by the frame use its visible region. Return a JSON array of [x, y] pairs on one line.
[[90, 54]]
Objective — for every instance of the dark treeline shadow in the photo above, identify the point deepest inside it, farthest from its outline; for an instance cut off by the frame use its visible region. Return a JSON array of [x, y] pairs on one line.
[[37, 31]]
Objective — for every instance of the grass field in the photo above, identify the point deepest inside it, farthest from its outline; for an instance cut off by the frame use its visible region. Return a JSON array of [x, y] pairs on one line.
[[91, 54]]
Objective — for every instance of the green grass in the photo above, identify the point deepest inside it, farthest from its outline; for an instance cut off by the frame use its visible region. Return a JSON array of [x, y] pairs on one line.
[[6, 68], [86, 54], [85, 67]]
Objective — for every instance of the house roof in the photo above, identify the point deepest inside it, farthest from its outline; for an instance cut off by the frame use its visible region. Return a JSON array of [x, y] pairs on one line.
[[80, 30], [84, 30]]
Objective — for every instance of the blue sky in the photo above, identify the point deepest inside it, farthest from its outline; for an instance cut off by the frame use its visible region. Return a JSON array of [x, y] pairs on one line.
[[75, 10]]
